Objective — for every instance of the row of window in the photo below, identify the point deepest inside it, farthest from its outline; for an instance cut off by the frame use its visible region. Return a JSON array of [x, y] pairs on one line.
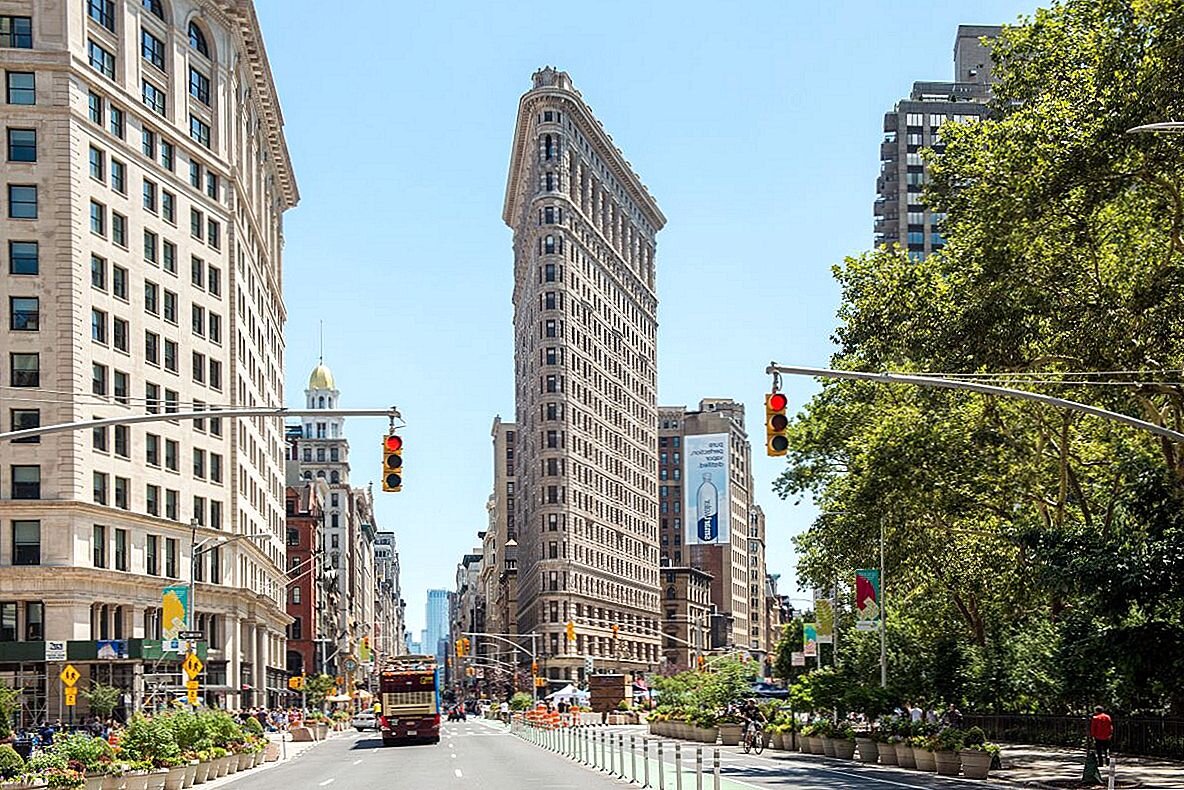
[[157, 252]]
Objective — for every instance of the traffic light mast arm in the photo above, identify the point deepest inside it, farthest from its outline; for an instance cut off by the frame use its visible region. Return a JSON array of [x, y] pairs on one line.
[[984, 389], [162, 416]]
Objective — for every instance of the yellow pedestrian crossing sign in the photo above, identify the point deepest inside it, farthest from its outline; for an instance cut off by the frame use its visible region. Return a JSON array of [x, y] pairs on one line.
[[70, 675], [192, 695], [192, 666], [296, 682], [192, 685], [71, 695]]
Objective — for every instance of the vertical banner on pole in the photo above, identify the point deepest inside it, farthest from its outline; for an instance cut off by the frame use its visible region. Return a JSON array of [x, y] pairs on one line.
[[868, 613], [824, 615], [809, 639], [174, 611]]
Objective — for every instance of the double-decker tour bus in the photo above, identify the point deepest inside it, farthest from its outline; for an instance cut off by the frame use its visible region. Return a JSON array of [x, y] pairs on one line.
[[409, 690]]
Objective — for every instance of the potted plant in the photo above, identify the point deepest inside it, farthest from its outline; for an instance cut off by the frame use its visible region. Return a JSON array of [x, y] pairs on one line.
[[902, 746], [869, 750], [945, 745], [922, 752], [86, 755], [63, 779], [11, 763], [826, 736], [976, 754], [842, 740]]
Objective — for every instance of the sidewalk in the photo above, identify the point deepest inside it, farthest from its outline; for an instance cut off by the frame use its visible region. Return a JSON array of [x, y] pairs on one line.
[[289, 750], [1051, 766]]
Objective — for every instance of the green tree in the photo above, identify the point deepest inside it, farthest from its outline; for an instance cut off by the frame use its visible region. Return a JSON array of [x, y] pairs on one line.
[[317, 688], [1025, 544], [9, 705], [102, 698]]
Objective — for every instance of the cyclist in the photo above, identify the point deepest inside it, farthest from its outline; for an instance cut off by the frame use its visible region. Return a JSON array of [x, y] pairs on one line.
[[754, 723]]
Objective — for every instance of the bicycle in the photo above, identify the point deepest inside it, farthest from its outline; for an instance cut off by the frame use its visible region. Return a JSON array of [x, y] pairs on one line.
[[752, 739]]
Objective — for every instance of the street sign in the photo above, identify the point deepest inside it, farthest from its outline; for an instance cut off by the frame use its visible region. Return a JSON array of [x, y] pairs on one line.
[[70, 675], [192, 636], [170, 646], [192, 685], [71, 695], [296, 683], [351, 665], [192, 665], [192, 696], [55, 650]]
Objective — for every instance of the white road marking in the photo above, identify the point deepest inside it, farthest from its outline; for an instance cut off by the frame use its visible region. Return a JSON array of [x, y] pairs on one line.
[[458, 774], [357, 761], [328, 781]]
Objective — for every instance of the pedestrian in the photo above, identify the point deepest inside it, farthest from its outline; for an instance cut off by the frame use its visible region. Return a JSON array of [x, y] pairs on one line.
[[953, 717], [915, 712], [1101, 729]]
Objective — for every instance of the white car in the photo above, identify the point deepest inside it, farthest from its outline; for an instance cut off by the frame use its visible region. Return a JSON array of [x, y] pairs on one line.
[[365, 720]]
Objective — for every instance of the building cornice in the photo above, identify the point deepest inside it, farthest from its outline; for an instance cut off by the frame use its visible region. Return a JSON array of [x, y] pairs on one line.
[[591, 127]]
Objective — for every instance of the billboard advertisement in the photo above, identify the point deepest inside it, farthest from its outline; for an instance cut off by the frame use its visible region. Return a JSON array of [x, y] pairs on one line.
[[706, 498]]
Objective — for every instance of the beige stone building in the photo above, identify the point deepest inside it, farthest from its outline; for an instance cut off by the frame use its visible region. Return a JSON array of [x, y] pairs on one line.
[[499, 541], [146, 181], [585, 330], [737, 569]]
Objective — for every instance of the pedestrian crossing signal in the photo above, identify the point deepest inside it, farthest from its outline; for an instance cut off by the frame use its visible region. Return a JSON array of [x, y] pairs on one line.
[[392, 463]]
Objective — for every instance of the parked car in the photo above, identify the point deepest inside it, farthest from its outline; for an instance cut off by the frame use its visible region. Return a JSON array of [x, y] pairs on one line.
[[769, 690], [364, 720]]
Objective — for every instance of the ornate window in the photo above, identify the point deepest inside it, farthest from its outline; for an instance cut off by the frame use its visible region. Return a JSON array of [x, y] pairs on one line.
[[197, 39], [154, 7]]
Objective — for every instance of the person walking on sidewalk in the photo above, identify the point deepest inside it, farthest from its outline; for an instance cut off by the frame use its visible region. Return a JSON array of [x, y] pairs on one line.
[[1101, 729]]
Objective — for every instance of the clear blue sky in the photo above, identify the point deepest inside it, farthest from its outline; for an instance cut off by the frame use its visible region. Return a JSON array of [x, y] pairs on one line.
[[755, 125]]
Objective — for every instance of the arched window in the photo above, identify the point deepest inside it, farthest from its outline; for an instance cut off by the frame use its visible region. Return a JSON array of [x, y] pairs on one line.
[[549, 244], [154, 7], [321, 402], [548, 147], [335, 477], [308, 475], [197, 39]]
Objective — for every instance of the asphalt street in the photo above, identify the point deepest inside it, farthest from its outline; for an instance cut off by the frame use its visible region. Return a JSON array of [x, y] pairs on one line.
[[483, 755], [470, 755]]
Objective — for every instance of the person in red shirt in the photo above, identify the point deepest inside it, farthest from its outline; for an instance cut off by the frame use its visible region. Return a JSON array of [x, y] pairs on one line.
[[1101, 729]]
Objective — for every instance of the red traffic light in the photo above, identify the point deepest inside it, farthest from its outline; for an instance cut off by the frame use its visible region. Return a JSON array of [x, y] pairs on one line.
[[393, 443], [777, 401]]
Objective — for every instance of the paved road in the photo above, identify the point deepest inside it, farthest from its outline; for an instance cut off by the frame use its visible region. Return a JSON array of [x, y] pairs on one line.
[[471, 755], [481, 755]]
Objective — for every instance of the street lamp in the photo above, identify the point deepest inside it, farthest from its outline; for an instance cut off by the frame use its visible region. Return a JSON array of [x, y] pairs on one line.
[[197, 549], [1168, 127]]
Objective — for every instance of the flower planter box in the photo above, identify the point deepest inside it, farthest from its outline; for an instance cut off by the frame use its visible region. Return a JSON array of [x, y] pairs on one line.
[[844, 749], [175, 778], [223, 764], [201, 772], [136, 780], [93, 782], [904, 755], [868, 751], [156, 779], [730, 734], [21, 785], [190, 775], [113, 782], [924, 759], [947, 763], [706, 734], [815, 744], [271, 752], [322, 731], [828, 746], [887, 753], [779, 740], [976, 763]]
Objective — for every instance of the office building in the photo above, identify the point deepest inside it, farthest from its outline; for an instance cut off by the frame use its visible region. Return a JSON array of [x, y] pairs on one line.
[[585, 331], [145, 186], [730, 554], [901, 216], [435, 638]]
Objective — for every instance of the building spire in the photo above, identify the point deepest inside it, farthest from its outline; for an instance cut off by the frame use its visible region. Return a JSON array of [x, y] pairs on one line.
[[321, 358]]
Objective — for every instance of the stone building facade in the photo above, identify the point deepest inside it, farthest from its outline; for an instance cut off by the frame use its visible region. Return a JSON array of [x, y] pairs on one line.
[[585, 332], [142, 226]]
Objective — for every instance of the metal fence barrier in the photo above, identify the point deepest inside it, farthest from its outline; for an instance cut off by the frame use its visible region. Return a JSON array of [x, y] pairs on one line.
[[1149, 736]]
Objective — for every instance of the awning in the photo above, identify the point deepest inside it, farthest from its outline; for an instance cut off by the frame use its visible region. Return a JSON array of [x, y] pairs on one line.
[[362, 694], [338, 698]]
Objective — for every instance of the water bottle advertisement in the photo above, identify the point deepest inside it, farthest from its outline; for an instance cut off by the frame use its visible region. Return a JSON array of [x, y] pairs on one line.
[[706, 481]]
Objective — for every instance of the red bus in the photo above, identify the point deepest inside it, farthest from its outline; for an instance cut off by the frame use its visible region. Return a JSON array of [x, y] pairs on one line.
[[409, 692]]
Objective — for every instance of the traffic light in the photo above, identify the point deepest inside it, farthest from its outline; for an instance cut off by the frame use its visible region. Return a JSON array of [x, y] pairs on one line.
[[616, 629], [392, 463], [776, 425], [468, 646], [571, 631], [534, 667], [460, 648]]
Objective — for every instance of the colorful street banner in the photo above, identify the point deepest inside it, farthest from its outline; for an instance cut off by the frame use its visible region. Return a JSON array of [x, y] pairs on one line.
[[868, 615], [824, 615], [707, 500], [809, 639], [174, 611]]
